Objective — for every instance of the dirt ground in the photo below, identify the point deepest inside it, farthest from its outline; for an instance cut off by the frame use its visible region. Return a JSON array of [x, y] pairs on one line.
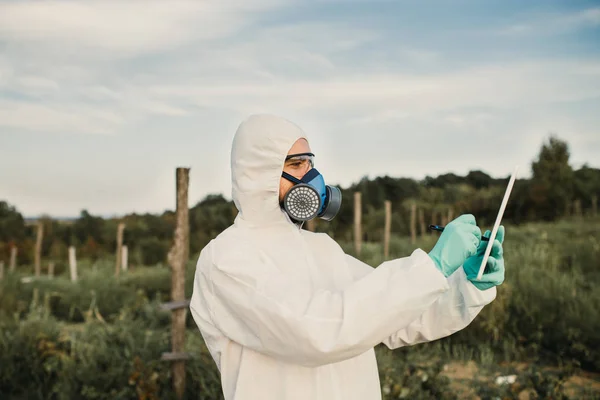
[[466, 377]]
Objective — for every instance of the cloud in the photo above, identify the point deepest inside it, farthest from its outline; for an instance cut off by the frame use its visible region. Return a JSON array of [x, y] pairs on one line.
[[554, 23], [120, 27], [513, 85], [58, 118], [189, 56], [174, 78]]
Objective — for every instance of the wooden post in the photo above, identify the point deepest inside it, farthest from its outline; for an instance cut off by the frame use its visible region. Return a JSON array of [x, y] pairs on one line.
[[51, 270], [413, 222], [444, 218], [431, 221], [73, 264], [311, 224], [1, 269], [357, 222], [450, 214], [13, 258], [577, 208], [118, 256], [38, 248], [178, 257], [422, 227], [124, 258], [387, 229], [594, 205]]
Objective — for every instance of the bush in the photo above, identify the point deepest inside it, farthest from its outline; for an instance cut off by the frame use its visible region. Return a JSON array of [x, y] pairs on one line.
[[548, 306], [41, 358], [62, 340], [404, 376]]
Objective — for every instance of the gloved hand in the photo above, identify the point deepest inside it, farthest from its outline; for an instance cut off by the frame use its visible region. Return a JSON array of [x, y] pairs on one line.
[[493, 275], [458, 241]]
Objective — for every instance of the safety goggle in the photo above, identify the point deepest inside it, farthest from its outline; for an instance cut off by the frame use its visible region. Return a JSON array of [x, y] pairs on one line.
[[300, 162]]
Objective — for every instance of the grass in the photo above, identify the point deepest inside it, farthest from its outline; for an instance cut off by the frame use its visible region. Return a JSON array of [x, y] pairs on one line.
[[102, 337]]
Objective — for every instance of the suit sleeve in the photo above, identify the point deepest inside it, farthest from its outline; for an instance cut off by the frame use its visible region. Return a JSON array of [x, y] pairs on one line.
[[454, 310], [254, 304]]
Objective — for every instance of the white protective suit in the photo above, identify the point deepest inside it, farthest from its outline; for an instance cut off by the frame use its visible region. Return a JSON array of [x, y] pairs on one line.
[[286, 314]]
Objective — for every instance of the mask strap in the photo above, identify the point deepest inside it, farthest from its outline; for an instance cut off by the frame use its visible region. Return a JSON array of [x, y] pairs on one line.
[[291, 178], [309, 176]]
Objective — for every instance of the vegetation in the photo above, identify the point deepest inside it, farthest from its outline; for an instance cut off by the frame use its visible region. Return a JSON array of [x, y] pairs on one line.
[[102, 337], [59, 339], [555, 190]]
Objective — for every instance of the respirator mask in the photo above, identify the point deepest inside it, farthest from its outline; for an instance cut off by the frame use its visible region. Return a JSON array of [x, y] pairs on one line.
[[310, 197]]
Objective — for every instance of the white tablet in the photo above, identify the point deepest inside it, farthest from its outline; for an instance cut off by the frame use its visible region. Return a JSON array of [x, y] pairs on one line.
[[488, 249]]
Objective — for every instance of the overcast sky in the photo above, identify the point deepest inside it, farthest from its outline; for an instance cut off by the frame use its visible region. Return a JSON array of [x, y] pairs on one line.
[[100, 101]]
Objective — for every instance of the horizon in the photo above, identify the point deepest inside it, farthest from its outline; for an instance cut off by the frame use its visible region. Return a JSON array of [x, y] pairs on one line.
[[228, 198], [192, 204]]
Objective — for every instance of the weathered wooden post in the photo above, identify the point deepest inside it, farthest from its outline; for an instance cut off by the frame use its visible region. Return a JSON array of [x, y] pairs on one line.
[[51, 270], [577, 208], [387, 229], [73, 263], [38, 248], [594, 205], [178, 257], [120, 229], [124, 258], [450, 214], [357, 222], [36, 296], [444, 218], [1, 269], [413, 222], [13, 258], [422, 227], [311, 224]]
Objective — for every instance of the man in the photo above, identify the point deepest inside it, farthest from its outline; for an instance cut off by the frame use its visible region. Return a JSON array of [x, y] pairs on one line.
[[287, 315]]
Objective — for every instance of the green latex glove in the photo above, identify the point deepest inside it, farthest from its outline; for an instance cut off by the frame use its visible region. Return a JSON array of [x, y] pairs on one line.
[[493, 275], [458, 241]]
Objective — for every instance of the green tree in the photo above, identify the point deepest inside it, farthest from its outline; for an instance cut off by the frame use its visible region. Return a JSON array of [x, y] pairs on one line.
[[12, 224], [553, 179], [478, 179], [587, 185], [88, 226]]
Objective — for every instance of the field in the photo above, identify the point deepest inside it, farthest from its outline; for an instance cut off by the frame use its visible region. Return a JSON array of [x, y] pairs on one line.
[[102, 337]]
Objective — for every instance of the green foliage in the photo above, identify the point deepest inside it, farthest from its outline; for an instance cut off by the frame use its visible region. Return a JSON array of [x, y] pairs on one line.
[[42, 358], [88, 227], [548, 305], [209, 218], [97, 290], [102, 337], [553, 180], [152, 251], [59, 339], [410, 378], [478, 179], [546, 196], [12, 225], [587, 185]]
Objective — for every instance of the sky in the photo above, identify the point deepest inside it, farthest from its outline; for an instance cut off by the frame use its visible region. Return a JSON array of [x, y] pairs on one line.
[[100, 101]]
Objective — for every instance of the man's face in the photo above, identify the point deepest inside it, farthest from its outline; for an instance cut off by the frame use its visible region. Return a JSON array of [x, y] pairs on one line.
[[293, 167]]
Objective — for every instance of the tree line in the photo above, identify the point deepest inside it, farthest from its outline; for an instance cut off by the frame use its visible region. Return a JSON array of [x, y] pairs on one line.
[[555, 190]]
